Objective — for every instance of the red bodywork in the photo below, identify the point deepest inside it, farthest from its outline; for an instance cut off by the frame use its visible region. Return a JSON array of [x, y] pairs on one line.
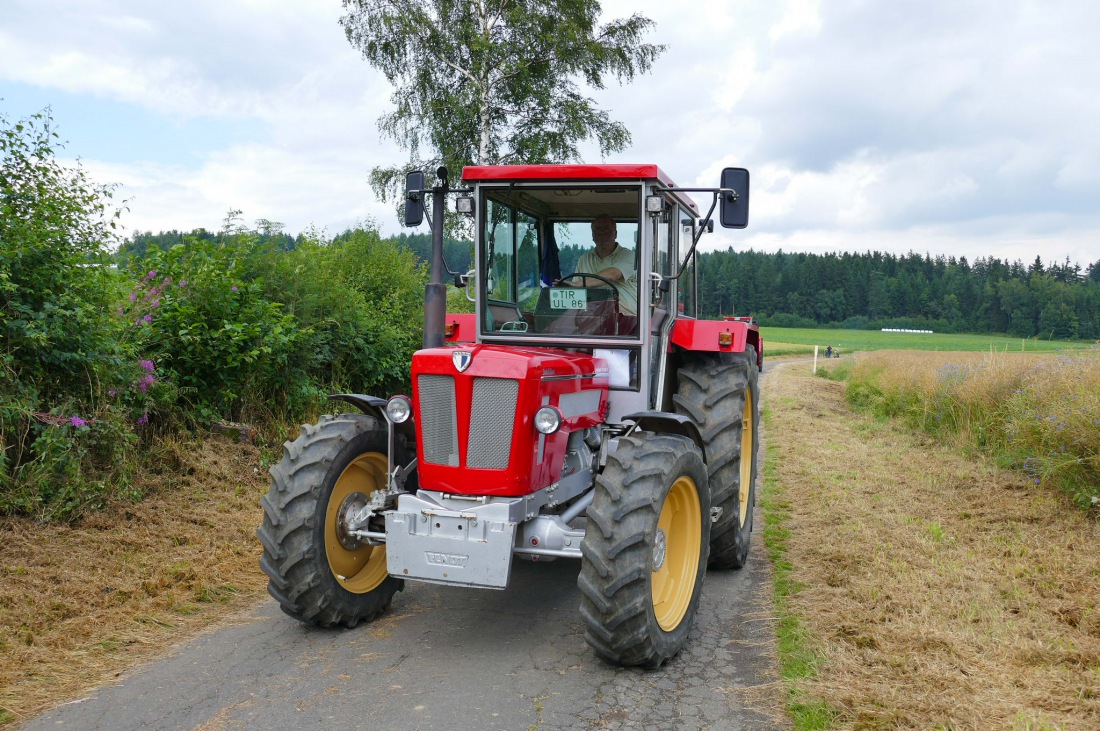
[[544, 375], [703, 336], [489, 173]]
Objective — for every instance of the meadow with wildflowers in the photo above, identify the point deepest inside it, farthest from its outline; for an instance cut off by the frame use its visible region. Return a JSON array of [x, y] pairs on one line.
[[1037, 413]]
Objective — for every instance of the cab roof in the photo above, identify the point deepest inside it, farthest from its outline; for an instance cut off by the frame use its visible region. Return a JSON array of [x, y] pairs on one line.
[[517, 173]]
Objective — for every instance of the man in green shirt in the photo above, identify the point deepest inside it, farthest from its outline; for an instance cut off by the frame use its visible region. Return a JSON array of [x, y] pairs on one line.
[[610, 261]]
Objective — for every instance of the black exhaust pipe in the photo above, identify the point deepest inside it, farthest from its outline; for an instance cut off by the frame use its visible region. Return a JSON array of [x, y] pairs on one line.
[[435, 293]]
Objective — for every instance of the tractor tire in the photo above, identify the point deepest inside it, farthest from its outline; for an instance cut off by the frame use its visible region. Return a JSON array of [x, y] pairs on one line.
[[317, 575], [720, 394], [644, 554]]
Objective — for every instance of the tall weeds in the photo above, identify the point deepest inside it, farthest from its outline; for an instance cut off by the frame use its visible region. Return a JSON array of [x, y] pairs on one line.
[[1035, 413]]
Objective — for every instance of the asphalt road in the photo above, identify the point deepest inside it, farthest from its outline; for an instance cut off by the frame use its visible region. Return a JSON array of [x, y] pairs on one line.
[[450, 658]]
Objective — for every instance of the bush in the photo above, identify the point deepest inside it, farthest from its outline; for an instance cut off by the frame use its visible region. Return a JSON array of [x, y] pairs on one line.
[[785, 319], [64, 435]]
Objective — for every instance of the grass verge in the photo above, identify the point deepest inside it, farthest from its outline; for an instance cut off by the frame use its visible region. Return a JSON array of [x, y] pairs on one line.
[[1039, 414], [80, 604], [798, 660], [922, 588]]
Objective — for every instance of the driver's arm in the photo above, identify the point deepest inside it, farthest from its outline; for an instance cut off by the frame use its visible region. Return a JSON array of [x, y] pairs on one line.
[[611, 273]]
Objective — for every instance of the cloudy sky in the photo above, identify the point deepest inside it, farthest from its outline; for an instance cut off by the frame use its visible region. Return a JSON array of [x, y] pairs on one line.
[[964, 127]]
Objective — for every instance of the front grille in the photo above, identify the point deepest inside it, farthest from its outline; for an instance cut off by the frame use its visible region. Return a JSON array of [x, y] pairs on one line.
[[438, 419], [492, 419]]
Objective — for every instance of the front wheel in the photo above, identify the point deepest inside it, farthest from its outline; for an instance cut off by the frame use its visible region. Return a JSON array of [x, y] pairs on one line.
[[644, 553], [319, 573]]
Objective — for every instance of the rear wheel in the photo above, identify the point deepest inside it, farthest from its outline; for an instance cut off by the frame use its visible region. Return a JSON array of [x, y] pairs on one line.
[[645, 549], [720, 393], [319, 573]]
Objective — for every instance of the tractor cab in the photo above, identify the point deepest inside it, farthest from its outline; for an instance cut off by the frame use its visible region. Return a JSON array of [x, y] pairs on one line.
[[595, 259]]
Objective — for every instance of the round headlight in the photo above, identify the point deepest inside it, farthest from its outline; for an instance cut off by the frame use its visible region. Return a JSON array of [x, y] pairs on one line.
[[398, 409], [547, 420]]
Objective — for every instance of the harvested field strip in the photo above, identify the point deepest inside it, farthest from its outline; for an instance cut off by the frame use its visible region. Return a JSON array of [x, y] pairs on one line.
[[80, 604], [937, 590]]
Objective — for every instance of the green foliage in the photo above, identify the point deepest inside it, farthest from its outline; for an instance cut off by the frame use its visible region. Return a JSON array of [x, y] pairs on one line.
[[361, 300], [249, 330], [874, 290], [483, 83], [55, 284], [63, 437], [214, 333], [242, 324]]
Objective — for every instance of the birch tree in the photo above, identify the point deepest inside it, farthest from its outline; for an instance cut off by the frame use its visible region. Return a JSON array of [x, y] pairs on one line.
[[482, 82]]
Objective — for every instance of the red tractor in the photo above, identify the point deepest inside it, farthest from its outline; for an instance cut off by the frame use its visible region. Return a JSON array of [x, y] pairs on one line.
[[582, 412]]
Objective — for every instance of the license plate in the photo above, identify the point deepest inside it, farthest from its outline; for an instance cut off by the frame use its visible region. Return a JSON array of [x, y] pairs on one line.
[[568, 298]]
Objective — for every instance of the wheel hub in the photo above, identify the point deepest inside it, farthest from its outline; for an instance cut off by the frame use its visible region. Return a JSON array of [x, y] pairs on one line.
[[349, 509], [660, 548]]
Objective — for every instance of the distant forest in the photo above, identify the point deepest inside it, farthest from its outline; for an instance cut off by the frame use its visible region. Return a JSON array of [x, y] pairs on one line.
[[853, 291]]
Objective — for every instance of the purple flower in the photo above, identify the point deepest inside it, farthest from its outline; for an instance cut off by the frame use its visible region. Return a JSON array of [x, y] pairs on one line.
[[233, 288], [133, 296], [111, 392], [77, 421], [156, 303], [147, 319], [143, 419], [152, 273], [183, 283], [145, 382], [147, 365], [119, 312]]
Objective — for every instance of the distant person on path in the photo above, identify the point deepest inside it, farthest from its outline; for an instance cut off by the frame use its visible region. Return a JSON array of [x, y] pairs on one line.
[[828, 351]]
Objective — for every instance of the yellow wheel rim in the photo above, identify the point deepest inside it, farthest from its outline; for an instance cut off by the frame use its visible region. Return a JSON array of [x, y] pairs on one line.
[[676, 553], [363, 569], [745, 488]]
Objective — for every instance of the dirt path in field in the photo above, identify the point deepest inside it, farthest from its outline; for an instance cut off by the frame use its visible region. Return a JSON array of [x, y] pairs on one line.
[[937, 590]]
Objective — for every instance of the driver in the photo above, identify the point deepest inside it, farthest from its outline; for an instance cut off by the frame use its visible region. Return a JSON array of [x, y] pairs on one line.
[[610, 261]]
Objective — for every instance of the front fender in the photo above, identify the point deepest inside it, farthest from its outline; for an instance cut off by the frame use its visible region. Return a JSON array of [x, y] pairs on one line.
[[664, 422]]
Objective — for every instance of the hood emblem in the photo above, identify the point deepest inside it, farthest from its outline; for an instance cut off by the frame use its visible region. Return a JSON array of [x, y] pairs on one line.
[[462, 359]]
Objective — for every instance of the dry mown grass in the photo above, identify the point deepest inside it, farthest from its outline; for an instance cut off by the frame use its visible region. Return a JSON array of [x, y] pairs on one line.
[[941, 591], [80, 604], [1038, 413]]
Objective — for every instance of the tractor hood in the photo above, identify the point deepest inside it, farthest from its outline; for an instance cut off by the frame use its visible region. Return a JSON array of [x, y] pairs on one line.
[[475, 408]]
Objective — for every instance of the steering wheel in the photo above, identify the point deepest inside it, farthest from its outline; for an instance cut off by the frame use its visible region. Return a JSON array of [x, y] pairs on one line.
[[605, 280]]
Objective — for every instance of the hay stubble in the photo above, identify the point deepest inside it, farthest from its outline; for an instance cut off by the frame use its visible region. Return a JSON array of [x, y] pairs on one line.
[[941, 591]]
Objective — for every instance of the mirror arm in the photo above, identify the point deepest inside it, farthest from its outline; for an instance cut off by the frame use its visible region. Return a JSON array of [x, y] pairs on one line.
[[664, 286]]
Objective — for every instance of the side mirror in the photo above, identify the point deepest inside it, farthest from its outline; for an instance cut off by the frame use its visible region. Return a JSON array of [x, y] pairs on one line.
[[414, 199], [734, 210]]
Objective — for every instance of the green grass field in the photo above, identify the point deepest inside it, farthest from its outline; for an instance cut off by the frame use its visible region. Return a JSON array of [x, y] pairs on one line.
[[788, 341]]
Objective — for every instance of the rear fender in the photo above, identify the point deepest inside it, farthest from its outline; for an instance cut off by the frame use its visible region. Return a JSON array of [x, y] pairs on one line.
[[704, 336]]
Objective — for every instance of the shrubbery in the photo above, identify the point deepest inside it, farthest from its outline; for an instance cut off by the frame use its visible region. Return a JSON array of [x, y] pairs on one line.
[[227, 326]]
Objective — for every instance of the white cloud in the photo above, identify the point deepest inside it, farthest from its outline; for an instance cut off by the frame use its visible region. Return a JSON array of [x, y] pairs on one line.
[[800, 17], [941, 126]]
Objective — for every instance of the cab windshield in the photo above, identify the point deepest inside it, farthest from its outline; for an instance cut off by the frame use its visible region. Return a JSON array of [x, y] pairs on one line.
[[560, 262]]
